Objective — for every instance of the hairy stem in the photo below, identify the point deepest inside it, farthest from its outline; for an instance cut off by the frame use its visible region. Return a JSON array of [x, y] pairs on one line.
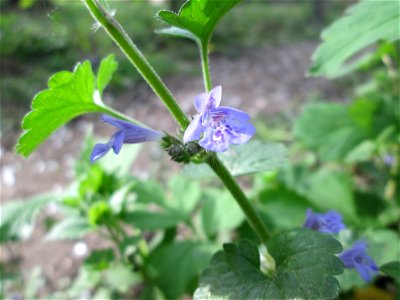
[[119, 36], [205, 66], [252, 217]]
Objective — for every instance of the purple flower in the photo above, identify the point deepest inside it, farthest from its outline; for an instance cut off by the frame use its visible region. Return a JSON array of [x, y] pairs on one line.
[[128, 133], [329, 222], [217, 126], [357, 257]]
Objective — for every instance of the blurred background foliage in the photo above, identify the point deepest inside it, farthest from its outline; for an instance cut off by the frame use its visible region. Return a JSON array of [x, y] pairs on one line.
[[342, 156], [41, 37]]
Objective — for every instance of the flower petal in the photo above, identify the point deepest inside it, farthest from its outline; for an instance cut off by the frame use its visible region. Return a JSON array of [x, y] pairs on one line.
[[214, 140], [236, 115], [240, 134], [194, 130], [117, 141], [208, 101], [99, 151], [216, 94], [136, 134], [200, 102]]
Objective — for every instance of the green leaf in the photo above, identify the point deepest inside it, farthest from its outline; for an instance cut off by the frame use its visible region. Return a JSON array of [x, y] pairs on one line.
[[185, 194], [325, 188], [328, 129], [150, 191], [17, 218], [220, 212], [99, 260], [286, 209], [196, 18], [364, 24], [392, 269], [305, 262], [151, 292], [176, 267], [69, 228], [68, 96], [147, 220], [121, 277], [106, 70], [252, 157]]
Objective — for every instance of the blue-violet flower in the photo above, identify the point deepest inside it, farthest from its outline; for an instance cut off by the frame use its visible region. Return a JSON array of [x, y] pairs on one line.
[[128, 133], [218, 126], [329, 222], [357, 257]]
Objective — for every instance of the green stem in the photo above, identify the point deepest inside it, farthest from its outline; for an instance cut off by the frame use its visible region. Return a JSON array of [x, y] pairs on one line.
[[204, 65], [252, 217], [119, 36]]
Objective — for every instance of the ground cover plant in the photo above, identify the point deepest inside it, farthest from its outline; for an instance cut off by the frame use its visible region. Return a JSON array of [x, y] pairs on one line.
[[318, 221]]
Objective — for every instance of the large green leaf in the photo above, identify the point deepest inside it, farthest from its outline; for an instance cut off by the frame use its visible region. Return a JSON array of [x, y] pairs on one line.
[[328, 129], [176, 267], [305, 262], [364, 24], [283, 208], [196, 18], [326, 189], [68, 96], [252, 157]]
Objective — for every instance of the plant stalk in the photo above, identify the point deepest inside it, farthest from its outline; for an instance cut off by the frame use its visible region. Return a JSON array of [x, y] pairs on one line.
[[204, 65], [230, 183], [120, 37]]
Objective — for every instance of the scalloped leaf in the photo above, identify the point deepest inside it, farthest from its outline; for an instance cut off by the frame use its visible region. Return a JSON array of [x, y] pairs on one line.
[[305, 265], [68, 96], [196, 18]]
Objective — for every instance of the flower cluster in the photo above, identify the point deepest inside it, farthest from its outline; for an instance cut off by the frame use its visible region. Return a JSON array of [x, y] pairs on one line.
[[216, 127], [356, 257], [128, 133]]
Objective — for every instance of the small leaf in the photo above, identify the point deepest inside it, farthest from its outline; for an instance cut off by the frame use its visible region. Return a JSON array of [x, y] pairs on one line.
[[196, 18], [69, 228], [305, 265], [107, 68], [392, 269], [177, 266], [16, 216], [364, 24], [252, 157], [68, 96]]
